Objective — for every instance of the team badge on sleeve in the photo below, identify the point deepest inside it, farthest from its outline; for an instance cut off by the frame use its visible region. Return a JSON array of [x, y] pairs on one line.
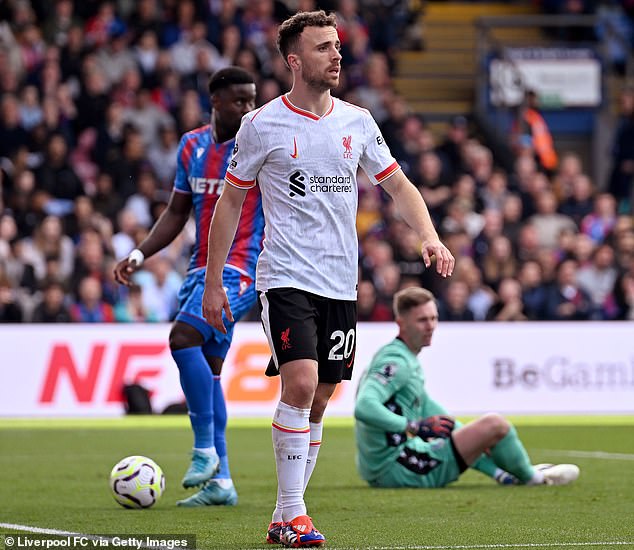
[[386, 373]]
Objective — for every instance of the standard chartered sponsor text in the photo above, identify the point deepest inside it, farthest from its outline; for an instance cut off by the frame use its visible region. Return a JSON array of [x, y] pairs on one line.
[[330, 184]]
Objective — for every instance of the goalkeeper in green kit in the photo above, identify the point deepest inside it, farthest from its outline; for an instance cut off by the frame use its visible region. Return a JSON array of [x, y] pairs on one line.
[[405, 439]]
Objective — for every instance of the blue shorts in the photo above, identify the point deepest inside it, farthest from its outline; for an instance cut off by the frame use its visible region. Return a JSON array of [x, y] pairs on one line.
[[241, 294]]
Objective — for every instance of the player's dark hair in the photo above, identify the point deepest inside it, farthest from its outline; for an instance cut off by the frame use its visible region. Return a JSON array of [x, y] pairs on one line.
[[409, 298], [289, 31], [228, 77]]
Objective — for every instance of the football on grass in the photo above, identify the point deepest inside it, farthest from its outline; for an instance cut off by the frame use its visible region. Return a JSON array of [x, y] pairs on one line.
[[137, 482]]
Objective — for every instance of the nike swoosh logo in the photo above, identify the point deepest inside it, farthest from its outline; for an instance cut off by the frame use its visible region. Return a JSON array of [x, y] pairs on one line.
[[349, 365], [294, 153]]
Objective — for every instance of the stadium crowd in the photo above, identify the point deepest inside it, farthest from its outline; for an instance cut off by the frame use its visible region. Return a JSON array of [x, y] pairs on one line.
[[95, 95]]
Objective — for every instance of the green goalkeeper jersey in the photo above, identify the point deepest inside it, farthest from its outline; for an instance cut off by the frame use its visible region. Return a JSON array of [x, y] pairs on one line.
[[391, 393]]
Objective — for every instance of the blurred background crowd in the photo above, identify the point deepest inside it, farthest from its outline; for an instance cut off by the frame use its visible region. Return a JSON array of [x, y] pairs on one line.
[[94, 98]]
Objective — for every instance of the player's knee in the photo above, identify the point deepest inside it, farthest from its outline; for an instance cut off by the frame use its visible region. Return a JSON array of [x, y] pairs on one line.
[[299, 394], [497, 425]]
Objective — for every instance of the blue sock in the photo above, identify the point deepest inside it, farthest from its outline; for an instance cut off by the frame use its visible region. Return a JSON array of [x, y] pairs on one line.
[[220, 429], [197, 382]]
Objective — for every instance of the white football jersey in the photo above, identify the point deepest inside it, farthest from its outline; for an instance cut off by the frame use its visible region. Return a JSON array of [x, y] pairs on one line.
[[306, 168]]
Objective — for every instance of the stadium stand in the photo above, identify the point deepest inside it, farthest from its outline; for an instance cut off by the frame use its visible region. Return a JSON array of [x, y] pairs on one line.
[[95, 94]]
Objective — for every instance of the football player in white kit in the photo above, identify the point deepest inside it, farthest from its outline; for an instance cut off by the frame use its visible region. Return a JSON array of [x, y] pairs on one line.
[[303, 150]]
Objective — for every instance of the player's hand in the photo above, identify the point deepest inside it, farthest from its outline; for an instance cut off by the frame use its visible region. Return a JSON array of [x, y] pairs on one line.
[[432, 427], [215, 301], [123, 271], [445, 261]]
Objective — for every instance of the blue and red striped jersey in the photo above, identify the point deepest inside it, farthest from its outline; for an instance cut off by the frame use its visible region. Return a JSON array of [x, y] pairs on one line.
[[200, 170]]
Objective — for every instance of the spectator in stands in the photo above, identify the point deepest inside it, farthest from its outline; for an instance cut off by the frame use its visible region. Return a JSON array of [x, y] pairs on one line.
[[433, 184], [451, 150], [598, 280], [530, 277], [570, 167], [530, 129], [160, 284], [368, 308], [89, 306], [123, 240], [512, 216], [132, 308], [93, 99], [52, 307], [565, 300], [622, 239], [600, 222], [10, 309], [548, 222], [12, 134], [115, 58], [481, 297], [510, 305], [580, 201], [499, 262], [48, 241], [479, 160], [495, 190], [143, 200], [162, 155], [624, 296], [493, 225], [454, 305]]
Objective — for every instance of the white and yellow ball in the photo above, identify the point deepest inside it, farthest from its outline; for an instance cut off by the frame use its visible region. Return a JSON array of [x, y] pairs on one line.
[[137, 482]]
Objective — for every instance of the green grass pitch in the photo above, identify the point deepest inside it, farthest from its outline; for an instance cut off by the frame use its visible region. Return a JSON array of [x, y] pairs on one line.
[[54, 475]]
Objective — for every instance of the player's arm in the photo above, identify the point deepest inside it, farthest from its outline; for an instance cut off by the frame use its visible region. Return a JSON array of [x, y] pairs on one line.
[[221, 234], [376, 389], [412, 207], [164, 231]]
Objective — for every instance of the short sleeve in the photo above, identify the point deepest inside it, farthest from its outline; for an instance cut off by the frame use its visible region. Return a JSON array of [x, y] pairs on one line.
[[377, 161], [181, 183], [248, 156]]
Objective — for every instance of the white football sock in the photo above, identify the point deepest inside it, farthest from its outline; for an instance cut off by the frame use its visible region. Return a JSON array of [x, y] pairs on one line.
[[291, 441], [316, 430]]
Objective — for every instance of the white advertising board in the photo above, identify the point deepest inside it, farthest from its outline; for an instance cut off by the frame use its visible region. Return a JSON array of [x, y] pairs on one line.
[[471, 368], [563, 77]]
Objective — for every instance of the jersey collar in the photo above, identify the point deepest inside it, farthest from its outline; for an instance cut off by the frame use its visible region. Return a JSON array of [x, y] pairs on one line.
[[305, 113]]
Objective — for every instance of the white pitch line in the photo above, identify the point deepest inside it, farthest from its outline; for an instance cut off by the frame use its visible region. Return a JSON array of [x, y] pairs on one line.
[[486, 546], [588, 454]]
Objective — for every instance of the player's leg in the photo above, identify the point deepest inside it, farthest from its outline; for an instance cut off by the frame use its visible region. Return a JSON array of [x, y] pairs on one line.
[[320, 401], [485, 464], [336, 342], [197, 383], [288, 318], [220, 490], [495, 433], [189, 332]]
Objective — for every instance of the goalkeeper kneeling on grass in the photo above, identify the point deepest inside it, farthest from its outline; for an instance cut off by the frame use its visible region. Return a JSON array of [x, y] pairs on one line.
[[405, 439]]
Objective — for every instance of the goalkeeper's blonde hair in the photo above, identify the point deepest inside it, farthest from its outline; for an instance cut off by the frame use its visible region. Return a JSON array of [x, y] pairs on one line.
[[409, 298]]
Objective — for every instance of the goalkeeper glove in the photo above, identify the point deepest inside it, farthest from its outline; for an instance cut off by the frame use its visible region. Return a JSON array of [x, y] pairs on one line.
[[432, 427]]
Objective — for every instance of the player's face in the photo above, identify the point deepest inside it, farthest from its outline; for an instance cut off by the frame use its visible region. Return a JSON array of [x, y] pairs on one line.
[[319, 57], [418, 325], [230, 105]]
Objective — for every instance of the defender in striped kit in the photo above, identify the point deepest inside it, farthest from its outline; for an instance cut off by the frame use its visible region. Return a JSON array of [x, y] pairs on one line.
[[198, 349]]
